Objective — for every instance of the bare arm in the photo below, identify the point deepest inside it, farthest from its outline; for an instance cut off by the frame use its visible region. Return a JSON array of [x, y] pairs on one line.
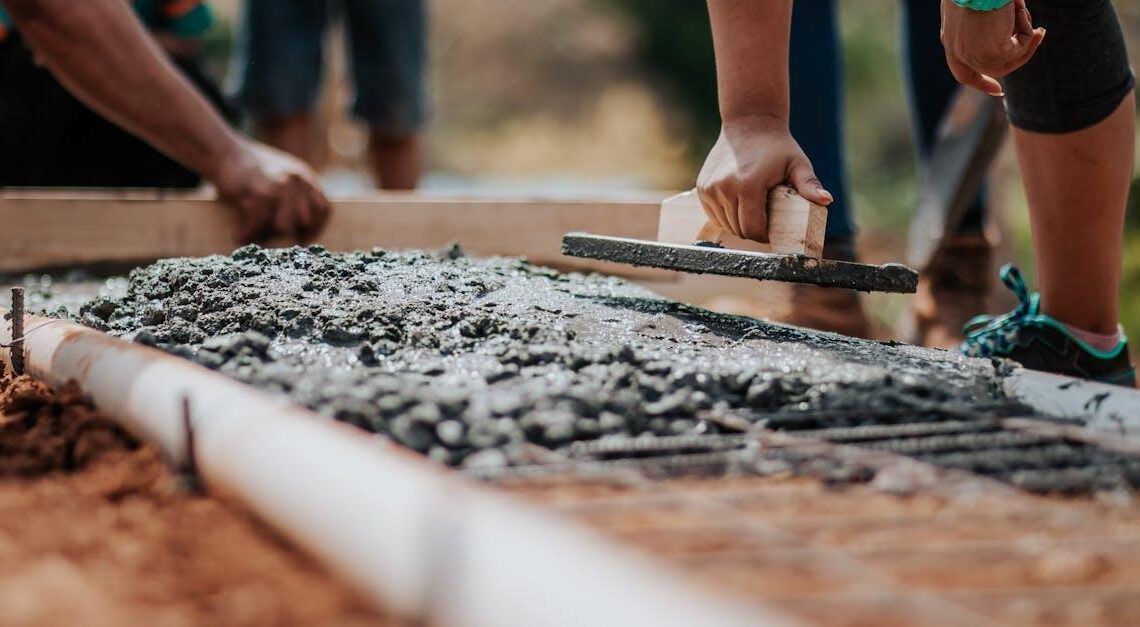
[[751, 42], [87, 45], [755, 151], [101, 53]]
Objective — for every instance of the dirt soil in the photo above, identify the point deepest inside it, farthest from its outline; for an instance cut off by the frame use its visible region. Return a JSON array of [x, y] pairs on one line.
[[95, 530], [979, 553]]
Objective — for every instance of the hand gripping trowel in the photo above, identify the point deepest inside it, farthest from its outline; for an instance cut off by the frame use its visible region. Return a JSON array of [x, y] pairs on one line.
[[687, 241]]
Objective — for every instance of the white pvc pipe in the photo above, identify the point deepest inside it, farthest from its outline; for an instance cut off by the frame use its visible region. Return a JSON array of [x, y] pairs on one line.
[[420, 541]]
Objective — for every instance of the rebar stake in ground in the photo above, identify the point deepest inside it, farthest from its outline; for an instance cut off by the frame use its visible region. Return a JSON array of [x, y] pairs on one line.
[[189, 471], [18, 330]]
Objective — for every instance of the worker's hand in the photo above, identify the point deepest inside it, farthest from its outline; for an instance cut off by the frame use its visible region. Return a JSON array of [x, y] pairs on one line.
[[752, 155], [983, 46], [276, 194]]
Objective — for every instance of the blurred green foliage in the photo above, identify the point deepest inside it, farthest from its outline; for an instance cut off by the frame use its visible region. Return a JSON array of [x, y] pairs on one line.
[[1130, 289], [675, 44], [1133, 217], [880, 153], [1130, 278], [218, 47]]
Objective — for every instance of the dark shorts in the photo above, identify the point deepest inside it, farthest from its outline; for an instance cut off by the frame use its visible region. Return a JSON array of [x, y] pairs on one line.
[[50, 139], [281, 55], [1080, 73]]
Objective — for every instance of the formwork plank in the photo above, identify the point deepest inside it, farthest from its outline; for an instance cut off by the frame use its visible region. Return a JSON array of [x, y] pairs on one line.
[[60, 228]]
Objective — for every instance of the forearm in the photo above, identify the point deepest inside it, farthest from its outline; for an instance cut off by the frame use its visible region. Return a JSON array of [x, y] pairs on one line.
[[102, 54], [751, 42]]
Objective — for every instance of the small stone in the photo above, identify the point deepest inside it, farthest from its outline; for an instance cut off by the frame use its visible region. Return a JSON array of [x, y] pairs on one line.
[[146, 338], [667, 405], [507, 372], [343, 335], [587, 428], [441, 455], [209, 359], [415, 435], [610, 422], [486, 459], [153, 315], [391, 404], [482, 434], [681, 427], [427, 413], [450, 433]]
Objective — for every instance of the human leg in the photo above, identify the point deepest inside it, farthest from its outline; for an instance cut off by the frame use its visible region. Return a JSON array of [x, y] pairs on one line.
[[931, 88], [389, 57], [1073, 111], [957, 284], [279, 69], [816, 88], [397, 161], [1077, 187]]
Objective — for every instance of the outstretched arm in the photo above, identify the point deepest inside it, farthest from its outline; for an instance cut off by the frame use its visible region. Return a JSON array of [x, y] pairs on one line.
[[102, 54], [755, 151]]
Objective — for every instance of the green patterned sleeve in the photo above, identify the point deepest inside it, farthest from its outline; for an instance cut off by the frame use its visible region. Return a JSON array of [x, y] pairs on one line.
[[185, 18], [5, 23], [193, 23]]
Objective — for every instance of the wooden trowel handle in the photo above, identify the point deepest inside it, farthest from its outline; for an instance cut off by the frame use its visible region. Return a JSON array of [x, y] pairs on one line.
[[795, 225]]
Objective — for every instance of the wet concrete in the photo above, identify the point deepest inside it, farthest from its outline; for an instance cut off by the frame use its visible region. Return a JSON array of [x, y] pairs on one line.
[[486, 362], [713, 259]]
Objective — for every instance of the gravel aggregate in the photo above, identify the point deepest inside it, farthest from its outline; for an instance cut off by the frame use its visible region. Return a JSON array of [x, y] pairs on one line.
[[486, 362]]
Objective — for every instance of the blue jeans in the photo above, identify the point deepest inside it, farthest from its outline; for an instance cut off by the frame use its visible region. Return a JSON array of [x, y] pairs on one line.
[[817, 96], [281, 55]]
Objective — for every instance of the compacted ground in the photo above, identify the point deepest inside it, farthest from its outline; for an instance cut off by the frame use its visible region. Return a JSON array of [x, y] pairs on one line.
[[95, 531], [489, 362], [968, 553]]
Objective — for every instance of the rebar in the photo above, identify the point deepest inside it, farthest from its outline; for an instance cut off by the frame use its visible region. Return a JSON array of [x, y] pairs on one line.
[[18, 330]]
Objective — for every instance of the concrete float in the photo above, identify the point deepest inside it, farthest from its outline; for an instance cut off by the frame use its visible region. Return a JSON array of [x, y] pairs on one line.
[[420, 541]]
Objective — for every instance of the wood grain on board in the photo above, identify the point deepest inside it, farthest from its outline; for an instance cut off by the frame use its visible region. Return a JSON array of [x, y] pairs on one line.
[[63, 228], [795, 225]]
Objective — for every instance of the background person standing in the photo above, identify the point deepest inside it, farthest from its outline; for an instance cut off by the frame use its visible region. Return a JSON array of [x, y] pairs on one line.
[[281, 57], [957, 286]]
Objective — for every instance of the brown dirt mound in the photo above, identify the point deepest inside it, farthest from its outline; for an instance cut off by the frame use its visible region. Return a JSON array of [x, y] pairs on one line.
[[42, 431], [95, 530]]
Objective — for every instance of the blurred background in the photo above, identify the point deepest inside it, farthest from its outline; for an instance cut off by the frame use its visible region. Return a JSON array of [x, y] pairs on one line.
[[565, 97]]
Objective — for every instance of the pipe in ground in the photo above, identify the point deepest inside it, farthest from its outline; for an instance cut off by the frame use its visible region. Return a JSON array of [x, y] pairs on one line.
[[417, 539]]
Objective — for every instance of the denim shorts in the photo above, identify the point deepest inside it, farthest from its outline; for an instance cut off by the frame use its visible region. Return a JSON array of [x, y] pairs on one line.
[[281, 56], [1078, 76]]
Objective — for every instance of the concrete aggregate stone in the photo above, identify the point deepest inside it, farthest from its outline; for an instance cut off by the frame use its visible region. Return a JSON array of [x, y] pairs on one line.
[[474, 362]]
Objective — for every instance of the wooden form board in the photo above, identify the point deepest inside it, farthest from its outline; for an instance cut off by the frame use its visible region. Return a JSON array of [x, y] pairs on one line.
[[795, 225], [58, 228]]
